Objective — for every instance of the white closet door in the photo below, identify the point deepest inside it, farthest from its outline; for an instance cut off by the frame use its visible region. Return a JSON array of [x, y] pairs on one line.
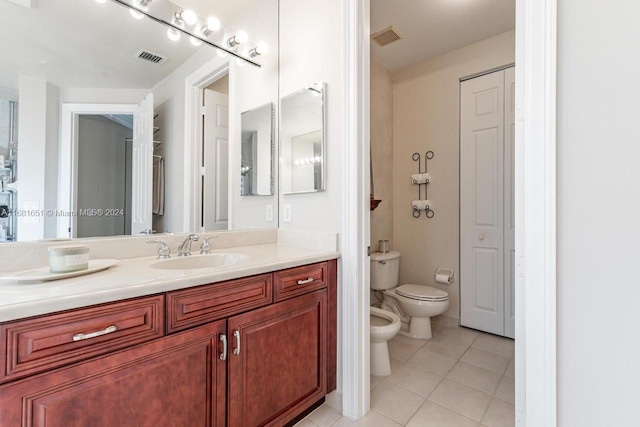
[[509, 202], [142, 168], [215, 194], [482, 203]]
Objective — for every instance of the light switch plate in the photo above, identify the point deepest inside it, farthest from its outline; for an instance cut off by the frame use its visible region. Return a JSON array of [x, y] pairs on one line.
[[269, 213], [286, 213]]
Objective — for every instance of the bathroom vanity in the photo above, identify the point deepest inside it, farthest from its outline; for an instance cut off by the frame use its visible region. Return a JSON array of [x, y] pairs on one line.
[[256, 350]]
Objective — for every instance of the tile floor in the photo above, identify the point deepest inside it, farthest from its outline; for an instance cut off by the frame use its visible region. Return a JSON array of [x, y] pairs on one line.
[[459, 378]]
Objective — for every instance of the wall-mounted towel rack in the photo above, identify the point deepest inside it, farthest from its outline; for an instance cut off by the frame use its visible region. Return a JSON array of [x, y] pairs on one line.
[[423, 179]]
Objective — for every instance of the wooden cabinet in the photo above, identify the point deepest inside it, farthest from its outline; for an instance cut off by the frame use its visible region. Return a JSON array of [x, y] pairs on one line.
[[174, 381], [278, 364], [245, 361]]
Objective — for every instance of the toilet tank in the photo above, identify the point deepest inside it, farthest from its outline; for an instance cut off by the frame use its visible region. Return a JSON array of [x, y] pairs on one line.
[[385, 269]]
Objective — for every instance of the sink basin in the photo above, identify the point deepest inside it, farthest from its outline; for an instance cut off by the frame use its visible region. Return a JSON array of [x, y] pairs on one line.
[[200, 261]]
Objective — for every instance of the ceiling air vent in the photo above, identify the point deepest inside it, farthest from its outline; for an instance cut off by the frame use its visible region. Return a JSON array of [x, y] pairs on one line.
[[386, 36], [151, 57]]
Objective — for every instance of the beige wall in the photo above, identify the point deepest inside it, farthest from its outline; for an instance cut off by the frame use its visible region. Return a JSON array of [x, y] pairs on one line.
[[382, 152], [426, 117]]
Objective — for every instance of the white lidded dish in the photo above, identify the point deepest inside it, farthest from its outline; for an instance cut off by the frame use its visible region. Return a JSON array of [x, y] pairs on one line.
[[66, 259]]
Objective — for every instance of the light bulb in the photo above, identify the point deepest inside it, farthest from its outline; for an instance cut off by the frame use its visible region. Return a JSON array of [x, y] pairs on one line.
[[221, 53], [242, 37], [136, 14], [173, 34], [260, 49], [188, 16], [213, 24], [239, 38], [240, 62], [101, 1], [194, 41]]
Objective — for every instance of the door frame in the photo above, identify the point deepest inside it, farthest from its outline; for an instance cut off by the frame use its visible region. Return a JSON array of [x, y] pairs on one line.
[[535, 349], [213, 70], [68, 182]]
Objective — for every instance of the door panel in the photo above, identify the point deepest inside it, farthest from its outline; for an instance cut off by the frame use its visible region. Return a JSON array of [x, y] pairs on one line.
[[509, 201], [481, 203], [215, 194], [142, 167]]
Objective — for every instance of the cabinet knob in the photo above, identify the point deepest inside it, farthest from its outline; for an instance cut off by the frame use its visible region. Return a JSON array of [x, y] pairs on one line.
[[481, 237]]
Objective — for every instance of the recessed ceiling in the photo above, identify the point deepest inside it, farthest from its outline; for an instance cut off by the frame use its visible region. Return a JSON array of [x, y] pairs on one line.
[[86, 44], [432, 27]]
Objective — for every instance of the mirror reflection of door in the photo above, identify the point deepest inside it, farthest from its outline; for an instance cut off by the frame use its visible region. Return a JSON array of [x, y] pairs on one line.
[[306, 152], [215, 157], [104, 174]]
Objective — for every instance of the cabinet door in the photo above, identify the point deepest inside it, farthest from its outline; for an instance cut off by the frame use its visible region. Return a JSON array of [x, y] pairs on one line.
[[277, 361], [174, 381]]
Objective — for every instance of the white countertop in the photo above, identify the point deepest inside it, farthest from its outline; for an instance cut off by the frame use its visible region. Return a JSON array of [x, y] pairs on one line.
[[135, 277]]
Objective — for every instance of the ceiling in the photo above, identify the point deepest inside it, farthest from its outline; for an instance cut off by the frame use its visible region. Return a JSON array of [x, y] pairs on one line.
[[85, 44], [433, 27]]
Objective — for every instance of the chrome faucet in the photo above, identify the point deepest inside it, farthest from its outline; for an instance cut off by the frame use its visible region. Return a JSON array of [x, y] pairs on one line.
[[163, 249], [185, 246]]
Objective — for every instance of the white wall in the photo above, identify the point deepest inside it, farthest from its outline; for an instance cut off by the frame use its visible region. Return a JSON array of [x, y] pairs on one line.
[[426, 116], [598, 143], [38, 135], [311, 40], [102, 96]]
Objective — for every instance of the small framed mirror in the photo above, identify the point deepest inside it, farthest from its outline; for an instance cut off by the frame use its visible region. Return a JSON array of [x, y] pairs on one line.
[[256, 159], [302, 140]]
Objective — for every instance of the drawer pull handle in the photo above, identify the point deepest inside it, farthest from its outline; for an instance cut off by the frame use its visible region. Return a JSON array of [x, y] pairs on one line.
[[80, 337], [223, 355], [236, 335], [304, 282]]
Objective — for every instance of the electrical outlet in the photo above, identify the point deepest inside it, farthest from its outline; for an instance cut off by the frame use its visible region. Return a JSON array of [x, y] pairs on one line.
[[286, 213], [269, 213]]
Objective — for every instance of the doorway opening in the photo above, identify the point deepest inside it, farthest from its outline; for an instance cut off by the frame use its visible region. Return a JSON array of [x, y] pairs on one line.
[[104, 184]]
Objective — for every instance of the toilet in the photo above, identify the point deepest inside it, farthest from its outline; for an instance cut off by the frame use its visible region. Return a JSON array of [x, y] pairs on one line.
[[384, 325], [414, 304]]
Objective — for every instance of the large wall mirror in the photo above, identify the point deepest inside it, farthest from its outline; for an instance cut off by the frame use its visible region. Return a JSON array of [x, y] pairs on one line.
[[114, 123], [302, 140]]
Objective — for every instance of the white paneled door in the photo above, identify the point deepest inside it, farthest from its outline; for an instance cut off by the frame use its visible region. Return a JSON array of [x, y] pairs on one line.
[[142, 168], [215, 172], [486, 203]]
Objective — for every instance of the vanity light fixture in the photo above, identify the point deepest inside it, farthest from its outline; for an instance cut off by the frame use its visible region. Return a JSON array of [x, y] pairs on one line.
[[194, 41], [173, 34], [308, 161], [186, 16], [261, 49], [139, 9], [239, 38], [212, 25], [139, 4]]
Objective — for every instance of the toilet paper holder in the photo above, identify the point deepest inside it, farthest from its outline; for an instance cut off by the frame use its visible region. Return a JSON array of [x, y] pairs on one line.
[[444, 275]]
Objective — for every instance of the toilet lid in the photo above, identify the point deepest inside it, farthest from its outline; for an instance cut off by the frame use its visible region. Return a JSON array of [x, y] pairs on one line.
[[421, 292]]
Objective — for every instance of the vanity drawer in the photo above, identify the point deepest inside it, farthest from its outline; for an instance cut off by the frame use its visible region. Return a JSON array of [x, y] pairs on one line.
[[197, 306], [46, 342], [300, 280]]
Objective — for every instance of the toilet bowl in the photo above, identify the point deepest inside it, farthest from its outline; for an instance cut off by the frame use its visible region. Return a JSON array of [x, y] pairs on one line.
[[420, 303], [384, 325], [414, 304]]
